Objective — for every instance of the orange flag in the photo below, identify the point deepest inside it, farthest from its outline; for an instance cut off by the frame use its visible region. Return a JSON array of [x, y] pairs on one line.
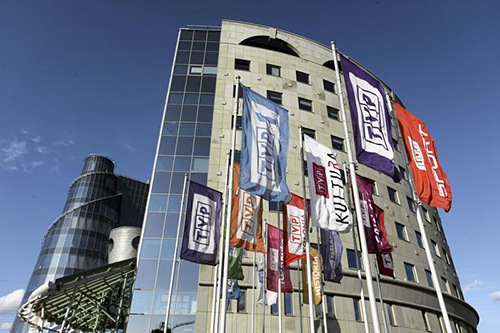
[[315, 277], [431, 182]]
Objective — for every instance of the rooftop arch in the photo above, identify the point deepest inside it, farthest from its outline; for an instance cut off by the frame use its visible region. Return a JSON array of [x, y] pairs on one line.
[[273, 44]]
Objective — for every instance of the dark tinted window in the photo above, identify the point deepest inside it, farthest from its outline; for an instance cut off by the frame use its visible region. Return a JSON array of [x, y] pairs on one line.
[[305, 104], [276, 97], [303, 77], [329, 86], [333, 113], [243, 65]]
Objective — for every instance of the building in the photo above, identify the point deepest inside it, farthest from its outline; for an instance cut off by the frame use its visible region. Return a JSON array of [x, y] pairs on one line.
[[195, 137], [98, 200]]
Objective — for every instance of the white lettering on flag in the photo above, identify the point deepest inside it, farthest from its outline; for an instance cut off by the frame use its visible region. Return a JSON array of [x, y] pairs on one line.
[[248, 217], [201, 236]]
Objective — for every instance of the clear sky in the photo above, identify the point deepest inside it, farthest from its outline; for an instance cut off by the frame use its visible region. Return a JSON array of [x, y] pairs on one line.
[[80, 77]]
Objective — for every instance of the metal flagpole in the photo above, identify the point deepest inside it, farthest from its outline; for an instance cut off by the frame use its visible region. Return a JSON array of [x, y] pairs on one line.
[[229, 206], [356, 253], [253, 293], [279, 269], [175, 260], [357, 205], [221, 252], [264, 282], [308, 244], [299, 275], [377, 277], [421, 227], [323, 303]]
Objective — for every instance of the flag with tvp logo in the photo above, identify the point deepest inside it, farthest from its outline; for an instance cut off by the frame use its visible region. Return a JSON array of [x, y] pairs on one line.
[[295, 230], [264, 148], [328, 207], [201, 229], [370, 120]]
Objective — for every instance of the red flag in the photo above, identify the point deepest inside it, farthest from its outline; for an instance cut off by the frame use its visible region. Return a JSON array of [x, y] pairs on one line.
[[295, 230], [431, 182], [273, 262], [385, 264]]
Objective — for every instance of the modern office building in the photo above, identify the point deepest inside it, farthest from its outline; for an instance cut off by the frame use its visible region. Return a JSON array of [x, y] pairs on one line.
[[297, 73], [98, 201]]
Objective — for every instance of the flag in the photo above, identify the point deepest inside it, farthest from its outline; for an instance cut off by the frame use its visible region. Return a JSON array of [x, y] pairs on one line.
[[294, 225], [370, 120], [264, 148], [328, 207], [385, 264], [376, 239], [315, 277], [431, 182], [233, 289], [235, 271], [331, 251], [246, 218], [273, 274], [201, 229], [264, 296]]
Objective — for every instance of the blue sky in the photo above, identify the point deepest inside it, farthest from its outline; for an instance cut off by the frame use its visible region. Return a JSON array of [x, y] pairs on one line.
[[91, 76]]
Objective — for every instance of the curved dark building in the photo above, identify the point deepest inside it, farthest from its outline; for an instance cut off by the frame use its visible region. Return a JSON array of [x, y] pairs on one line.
[[98, 201]]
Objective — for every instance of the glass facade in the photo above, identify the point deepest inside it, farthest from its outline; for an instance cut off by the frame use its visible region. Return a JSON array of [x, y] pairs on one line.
[[77, 240], [184, 148]]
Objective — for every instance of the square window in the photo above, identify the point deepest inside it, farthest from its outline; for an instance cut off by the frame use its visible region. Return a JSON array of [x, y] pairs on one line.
[[401, 231], [428, 275], [329, 86], [274, 206], [242, 65], [410, 204], [444, 285], [337, 143], [242, 306], [274, 96], [395, 144], [393, 195], [333, 113], [318, 311], [330, 305], [357, 310], [419, 239], [302, 77], [426, 214], [402, 172], [288, 304], [352, 261], [446, 257], [410, 272], [309, 132], [392, 315], [435, 248], [273, 70], [305, 104], [436, 222]]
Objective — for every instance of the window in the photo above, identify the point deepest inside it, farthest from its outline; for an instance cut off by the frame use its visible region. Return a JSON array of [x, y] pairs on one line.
[[402, 172], [329, 86], [242, 306], [305, 104], [330, 306], [426, 214], [426, 321], [357, 310], [393, 195], [446, 257], [391, 315], [410, 272], [444, 285], [428, 275], [457, 291], [436, 222], [309, 132], [435, 248], [419, 239], [351, 259], [395, 144], [303, 77], [242, 65], [239, 122], [410, 204], [288, 304], [401, 231], [337, 143], [274, 308], [273, 70], [318, 313], [333, 113], [276, 97]]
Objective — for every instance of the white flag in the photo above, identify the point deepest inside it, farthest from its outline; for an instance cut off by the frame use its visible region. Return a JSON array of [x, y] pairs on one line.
[[270, 297], [328, 207]]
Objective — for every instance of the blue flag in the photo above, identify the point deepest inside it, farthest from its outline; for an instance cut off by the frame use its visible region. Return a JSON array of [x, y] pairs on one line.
[[202, 226], [264, 148], [331, 250]]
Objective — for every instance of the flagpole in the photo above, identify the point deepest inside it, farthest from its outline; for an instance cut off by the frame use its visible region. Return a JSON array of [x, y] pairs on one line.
[[299, 275], [323, 305], [421, 227], [221, 241], [308, 244], [229, 208], [264, 282], [358, 264], [377, 277], [253, 293], [357, 205], [175, 260], [279, 269]]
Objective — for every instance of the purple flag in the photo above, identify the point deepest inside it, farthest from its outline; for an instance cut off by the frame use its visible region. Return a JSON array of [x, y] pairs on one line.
[[202, 226], [331, 250], [273, 262], [370, 120], [376, 237]]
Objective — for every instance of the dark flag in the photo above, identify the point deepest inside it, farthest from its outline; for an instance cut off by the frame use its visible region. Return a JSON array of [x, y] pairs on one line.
[[331, 250]]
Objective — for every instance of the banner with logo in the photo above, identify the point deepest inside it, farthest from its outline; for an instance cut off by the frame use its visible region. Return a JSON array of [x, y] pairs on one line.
[[331, 251], [315, 277], [328, 207], [431, 182], [294, 226], [273, 260], [376, 238], [233, 289], [201, 229], [385, 264], [235, 270], [246, 218], [370, 120], [264, 296], [264, 147]]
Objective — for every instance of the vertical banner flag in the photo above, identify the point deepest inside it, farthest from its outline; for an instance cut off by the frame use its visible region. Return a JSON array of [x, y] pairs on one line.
[[315, 277], [235, 271], [370, 120], [376, 238], [331, 251], [263, 296], [328, 207], [201, 229], [233, 289], [273, 274], [264, 147], [246, 218], [294, 225], [385, 264], [431, 182]]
